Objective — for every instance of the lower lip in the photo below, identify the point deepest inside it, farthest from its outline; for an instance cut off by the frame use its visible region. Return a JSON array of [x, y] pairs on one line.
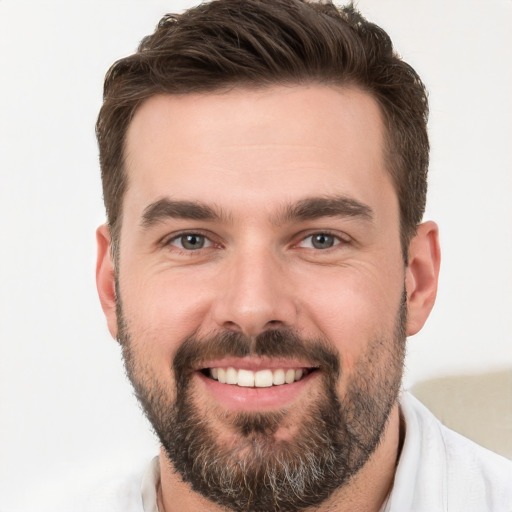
[[256, 399]]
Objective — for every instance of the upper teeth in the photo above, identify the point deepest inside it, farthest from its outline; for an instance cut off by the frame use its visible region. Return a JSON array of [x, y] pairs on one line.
[[259, 379]]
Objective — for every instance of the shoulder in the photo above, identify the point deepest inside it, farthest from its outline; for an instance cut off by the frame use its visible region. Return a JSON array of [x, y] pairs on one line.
[[475, 474], [117, 494], [468, 476], [92, 491]]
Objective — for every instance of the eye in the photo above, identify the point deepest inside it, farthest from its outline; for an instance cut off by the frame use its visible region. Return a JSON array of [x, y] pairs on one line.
[[320, 241], [190, 242]]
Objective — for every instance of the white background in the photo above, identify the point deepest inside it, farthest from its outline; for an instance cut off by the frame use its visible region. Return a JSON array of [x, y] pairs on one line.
[[64, 401]]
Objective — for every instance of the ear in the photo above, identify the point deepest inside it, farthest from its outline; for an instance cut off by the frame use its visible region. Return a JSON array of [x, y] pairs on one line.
[[105, 278], [421, 275]]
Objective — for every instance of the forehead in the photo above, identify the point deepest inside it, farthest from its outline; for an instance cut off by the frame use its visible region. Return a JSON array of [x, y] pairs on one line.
[[277, 143]]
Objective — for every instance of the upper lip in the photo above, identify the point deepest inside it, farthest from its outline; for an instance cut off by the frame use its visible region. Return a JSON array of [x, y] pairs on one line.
[[255, 363]]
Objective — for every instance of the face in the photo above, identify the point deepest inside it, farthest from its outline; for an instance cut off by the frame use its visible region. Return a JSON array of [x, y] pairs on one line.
[[260, 288]]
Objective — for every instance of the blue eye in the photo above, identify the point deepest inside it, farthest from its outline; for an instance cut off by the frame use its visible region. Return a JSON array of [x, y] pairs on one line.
[[320, 241], [190, 242]]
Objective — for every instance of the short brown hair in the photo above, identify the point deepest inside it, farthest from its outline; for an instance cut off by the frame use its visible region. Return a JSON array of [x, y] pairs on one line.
[[257, 43]]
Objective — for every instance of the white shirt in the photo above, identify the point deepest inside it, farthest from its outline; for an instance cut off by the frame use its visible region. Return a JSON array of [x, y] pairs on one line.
[[442, 471], [439, 471]]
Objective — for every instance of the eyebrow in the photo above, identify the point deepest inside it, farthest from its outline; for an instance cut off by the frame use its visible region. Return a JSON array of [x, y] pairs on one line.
[[306, 209], [325, 206], [169, 208]]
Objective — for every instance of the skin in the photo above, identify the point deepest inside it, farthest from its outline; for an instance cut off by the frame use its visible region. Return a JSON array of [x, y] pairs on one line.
[[250, 154]]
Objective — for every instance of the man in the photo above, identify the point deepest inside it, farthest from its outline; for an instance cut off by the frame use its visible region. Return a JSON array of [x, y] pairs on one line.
[[264, 171]]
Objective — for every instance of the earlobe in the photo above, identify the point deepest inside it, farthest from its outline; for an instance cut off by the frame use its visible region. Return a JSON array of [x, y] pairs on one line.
[[105, 278], [422, 275]]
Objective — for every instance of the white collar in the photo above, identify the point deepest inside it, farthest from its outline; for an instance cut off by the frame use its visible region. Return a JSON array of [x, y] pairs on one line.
[[406, 494]]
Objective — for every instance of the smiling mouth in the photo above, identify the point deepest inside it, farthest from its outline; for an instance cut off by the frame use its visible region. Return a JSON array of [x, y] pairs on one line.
[[265, 378]]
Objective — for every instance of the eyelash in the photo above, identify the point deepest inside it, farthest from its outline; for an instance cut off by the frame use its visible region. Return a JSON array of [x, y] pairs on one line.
[[208, 240], [338, 240]]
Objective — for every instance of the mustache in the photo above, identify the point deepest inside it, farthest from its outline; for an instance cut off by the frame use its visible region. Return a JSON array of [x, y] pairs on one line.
[[275, 343]]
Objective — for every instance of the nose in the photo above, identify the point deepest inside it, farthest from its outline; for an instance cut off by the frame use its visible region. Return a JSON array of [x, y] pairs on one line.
[[255, 294]]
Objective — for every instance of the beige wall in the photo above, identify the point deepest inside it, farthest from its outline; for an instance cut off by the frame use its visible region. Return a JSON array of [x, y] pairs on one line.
[[477, 406]]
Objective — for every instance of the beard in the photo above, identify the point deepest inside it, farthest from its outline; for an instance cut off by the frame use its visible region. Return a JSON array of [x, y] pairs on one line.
[[258, 471]]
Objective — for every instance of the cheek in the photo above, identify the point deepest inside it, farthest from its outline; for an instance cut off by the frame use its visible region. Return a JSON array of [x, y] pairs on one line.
[[161, 313], [353, 306]]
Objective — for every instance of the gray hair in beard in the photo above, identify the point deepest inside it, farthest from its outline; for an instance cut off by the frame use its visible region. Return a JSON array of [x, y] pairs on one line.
[[335, 439]]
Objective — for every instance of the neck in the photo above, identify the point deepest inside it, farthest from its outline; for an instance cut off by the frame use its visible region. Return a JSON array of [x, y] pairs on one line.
[[366, 492]]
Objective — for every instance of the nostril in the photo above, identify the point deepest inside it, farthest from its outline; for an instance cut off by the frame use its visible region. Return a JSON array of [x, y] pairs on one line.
[[232, 326], [273, 324]]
